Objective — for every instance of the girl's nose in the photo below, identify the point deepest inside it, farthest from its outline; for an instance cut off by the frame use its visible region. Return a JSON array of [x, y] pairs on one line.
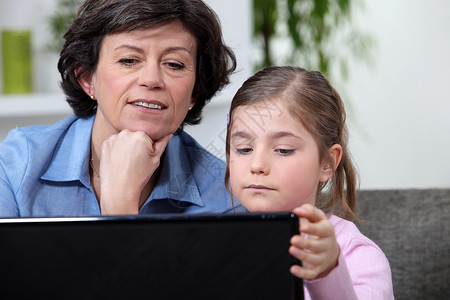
[[259, 164]]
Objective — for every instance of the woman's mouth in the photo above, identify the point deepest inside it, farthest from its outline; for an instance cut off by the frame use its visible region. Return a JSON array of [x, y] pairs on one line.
[[148, 105]]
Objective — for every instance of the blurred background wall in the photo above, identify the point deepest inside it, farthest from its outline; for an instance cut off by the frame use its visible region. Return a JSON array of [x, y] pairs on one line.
[[398, 105]]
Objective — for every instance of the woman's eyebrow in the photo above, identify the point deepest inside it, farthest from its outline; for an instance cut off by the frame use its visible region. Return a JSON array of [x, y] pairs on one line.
[[131, 47], [173, 49], [170, 49]]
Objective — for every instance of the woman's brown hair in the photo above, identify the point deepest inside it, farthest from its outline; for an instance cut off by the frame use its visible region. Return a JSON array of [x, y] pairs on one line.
[[312, 100]]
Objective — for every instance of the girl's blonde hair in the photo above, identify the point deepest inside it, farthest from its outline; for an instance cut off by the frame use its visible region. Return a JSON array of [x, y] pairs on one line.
[[312, 100]]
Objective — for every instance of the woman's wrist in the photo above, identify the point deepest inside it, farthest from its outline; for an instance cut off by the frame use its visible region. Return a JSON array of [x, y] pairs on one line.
[[113, 203]]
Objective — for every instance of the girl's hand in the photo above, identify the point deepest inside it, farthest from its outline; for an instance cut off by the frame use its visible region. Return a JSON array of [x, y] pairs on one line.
[[128, 161], [316, 247]]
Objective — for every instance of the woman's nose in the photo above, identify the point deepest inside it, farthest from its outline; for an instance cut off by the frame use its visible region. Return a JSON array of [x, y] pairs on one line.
[[259, 164], [151, 76]]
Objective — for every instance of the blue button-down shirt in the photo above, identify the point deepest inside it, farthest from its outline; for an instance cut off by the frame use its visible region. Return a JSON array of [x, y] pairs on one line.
[[44, 171]]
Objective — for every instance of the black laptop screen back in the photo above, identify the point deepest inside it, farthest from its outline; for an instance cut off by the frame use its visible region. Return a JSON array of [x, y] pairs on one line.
[[240, 256]]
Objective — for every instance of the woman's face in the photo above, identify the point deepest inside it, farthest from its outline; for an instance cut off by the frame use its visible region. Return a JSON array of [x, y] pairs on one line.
[[274, 161], [144, 80]]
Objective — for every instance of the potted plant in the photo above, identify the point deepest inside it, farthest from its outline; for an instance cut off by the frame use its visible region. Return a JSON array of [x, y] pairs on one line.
[[60, 21], [316, 34]]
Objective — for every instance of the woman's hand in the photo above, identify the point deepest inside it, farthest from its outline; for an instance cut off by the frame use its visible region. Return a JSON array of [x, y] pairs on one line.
[[316, 247], [128, 161]]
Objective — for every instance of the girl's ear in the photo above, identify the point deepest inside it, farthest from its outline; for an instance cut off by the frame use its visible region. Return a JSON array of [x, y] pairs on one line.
[[335, 153], [85, 82]]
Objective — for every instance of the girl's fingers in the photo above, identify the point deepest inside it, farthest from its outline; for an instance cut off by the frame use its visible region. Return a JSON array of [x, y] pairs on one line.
[[310, 212], [304, 273], [313, 263], [311, 251], [322, 229], [309, 243]]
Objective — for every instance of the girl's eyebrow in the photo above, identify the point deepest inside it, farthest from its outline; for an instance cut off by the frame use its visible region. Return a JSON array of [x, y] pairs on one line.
[[244, 134], [240, 134], [281, 134]]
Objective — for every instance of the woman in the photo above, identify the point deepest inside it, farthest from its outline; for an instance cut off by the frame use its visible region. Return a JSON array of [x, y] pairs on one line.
[[134, 72]]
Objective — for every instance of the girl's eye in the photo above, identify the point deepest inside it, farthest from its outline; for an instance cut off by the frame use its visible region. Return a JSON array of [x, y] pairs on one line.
[[244, 150], [285, 151], [128, 61]]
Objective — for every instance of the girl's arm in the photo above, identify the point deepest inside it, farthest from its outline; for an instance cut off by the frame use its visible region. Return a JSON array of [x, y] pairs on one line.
[[322, 261], [360, 271]]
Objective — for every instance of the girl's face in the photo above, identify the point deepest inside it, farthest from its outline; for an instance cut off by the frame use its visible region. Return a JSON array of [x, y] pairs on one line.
[[144, 80], [274, 160]]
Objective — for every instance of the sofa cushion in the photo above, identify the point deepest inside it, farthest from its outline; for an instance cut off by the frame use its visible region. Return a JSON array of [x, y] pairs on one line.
[[412, 227]]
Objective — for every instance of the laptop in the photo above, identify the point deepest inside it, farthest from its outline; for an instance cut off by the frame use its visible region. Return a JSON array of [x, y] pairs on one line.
[[204, 256]]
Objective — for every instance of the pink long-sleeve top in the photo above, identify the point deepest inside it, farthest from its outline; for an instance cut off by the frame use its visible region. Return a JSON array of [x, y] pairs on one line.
[[362, 272]]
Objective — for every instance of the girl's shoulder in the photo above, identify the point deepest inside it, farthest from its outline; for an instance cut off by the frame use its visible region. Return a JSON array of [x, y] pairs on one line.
[[348, 235], [358, 249], [366, 262]]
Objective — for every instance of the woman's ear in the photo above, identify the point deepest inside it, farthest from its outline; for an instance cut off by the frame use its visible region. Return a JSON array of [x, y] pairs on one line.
[[85, 81], [192, 103], [194, 96], [335, 153]]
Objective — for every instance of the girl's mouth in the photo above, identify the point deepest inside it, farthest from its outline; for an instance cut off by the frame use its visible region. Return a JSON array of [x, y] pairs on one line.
[[259, 187]]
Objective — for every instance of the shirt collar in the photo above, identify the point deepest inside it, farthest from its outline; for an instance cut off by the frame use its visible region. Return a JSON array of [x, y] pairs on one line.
[[70, 161]]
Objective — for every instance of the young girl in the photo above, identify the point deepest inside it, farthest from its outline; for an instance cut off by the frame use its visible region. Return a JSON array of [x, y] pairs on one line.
[[286, 142]]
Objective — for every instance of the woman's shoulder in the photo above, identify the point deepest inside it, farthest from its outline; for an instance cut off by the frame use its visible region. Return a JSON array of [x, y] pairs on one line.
[[207, 168], [37, 142], [40, 132], [210, 154], [201, 168]]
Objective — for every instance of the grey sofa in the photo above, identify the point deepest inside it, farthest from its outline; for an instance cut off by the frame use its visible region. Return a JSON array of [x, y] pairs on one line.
[[412, 227]]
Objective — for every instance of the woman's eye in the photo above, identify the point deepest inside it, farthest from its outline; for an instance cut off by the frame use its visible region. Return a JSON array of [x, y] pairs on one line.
[[243, 150], [175, 66], [128, 61], [285, 151]]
